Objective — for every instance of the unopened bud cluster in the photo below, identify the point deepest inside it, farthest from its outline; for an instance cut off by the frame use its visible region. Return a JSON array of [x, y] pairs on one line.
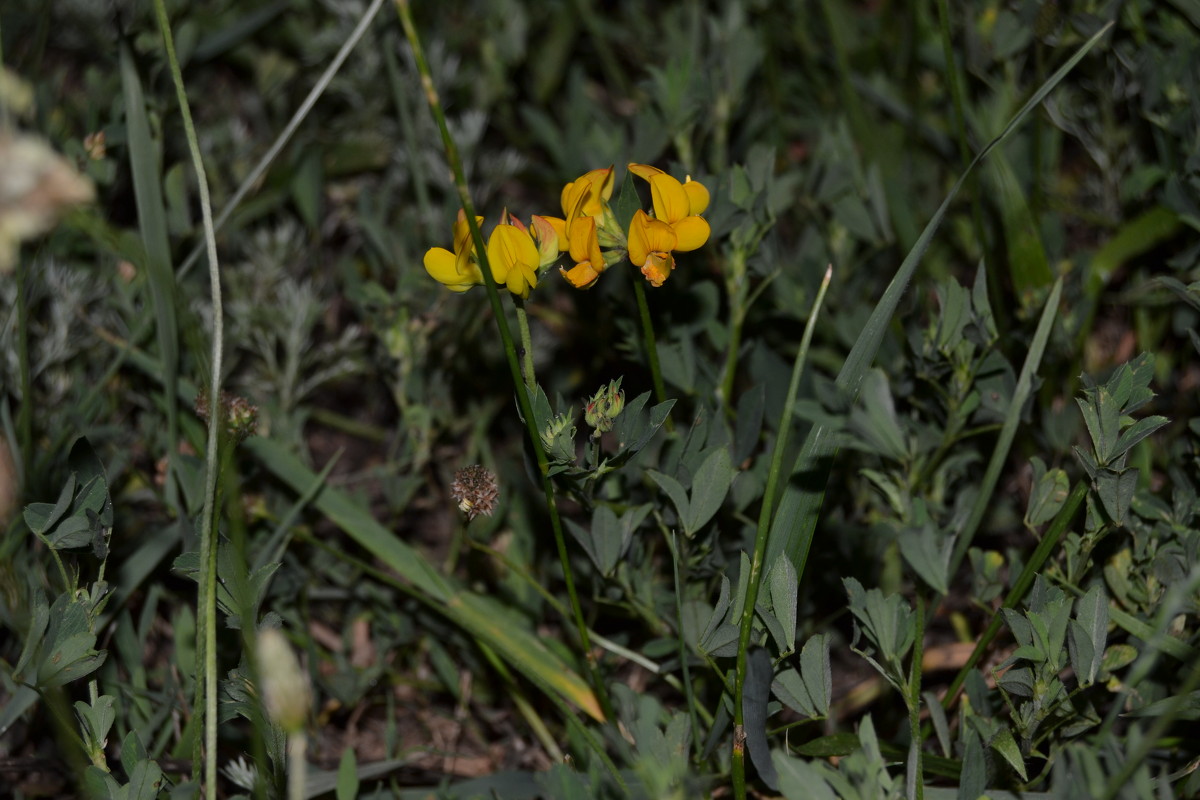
[[602, 410]]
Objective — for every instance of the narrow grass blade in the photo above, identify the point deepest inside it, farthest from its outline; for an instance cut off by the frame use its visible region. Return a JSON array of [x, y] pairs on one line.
[[152, 222], [792, 529], [1012, 418]]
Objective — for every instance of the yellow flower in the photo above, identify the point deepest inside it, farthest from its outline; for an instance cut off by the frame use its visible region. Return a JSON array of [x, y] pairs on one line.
[[514, 258], [677, 204], [456, 271], [585, 252], [586, 196], [512, 253], [650, 244]]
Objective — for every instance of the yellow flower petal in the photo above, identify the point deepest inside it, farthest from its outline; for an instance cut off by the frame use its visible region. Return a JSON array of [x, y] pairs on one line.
[[658, 268], [644, 171], [599, 191], [560, 231], [584, 244], [581, 276], [670, 200], [697, 196], [690, 233], [514, 259], [443, 267], [647, 236]]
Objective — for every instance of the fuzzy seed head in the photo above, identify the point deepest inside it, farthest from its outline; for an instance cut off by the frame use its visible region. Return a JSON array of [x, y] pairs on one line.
[[475, 490]]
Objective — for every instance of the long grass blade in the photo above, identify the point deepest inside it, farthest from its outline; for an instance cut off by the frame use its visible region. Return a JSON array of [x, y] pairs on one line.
[[152, 223], [793, 527], [1012, 419]]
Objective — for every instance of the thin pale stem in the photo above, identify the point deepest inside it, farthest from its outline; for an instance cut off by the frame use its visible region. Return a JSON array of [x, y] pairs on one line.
[[207, 601], [297, 743], [510, 350], [760, 541], [25, 412], [916, 767]]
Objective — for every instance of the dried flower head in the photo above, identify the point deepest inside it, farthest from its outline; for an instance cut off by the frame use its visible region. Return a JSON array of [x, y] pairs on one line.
[[475, 490]]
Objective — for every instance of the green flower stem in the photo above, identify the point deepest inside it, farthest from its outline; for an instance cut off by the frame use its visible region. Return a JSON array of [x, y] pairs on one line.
[[523, 403], [526, 343], [760, 542], [206, 616], [660, 389]]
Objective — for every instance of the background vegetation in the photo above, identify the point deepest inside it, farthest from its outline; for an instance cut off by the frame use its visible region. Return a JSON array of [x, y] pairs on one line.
[[981, 575]]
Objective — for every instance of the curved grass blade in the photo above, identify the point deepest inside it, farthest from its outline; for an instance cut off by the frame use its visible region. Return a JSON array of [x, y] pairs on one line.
[[794, 523]]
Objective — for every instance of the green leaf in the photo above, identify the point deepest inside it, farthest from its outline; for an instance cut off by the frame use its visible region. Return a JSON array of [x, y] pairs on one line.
[[41, 517], [145, 782], [1004, 744], [792, 691], [837, 744], [796, 518], [817, 674], [347, 777], [754, 711], [710, 484], [973, 779], [1115, 489], [1091, 615], [799, 780], [675, 491], [1048, 493], [785, 590], [1029, 267], [1136, 433], [928, 558]]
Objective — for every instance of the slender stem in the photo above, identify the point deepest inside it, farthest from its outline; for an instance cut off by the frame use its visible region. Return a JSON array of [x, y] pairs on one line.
[[673, 543], [660, 389], [25, 412], [736, 291], [760, 541], [916, 768], [207, 601], [523, 403], [526, 352], [297, 743]]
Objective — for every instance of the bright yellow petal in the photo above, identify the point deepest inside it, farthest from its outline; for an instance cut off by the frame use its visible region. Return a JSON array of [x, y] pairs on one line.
[[658, 268], [442, 266], [584, 244], [697, 196], [514, 259], [581, 276], [644, 171], [690, 233], [462, 231], [648, 236], [670, 201], [599, 191], [560, 231]]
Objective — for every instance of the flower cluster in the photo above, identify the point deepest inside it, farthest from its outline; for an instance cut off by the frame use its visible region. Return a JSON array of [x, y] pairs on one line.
[[588, 232]]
